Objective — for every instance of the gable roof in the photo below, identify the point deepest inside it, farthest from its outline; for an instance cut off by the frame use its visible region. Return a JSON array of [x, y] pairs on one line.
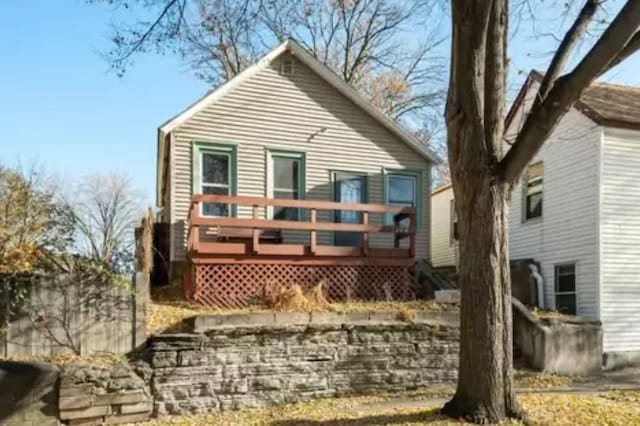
[[607, 104], [315, 65]]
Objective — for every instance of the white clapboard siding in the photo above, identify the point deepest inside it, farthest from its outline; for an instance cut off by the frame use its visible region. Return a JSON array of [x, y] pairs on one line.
[[443, 252], [620, 240], [567, 232], [298, 112]]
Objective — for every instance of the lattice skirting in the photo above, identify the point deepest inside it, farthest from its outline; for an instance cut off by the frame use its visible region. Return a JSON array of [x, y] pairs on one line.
[[237, 285]]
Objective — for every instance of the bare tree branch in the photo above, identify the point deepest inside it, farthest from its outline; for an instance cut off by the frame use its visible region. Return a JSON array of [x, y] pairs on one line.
[[632, 47], [567, 89], [564, 51], [106, 209], [367, 42]]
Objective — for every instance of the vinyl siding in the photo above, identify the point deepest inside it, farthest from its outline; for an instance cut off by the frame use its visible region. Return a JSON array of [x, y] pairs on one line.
[[620, 239], [567, 232], [443, 253], [303, 113]]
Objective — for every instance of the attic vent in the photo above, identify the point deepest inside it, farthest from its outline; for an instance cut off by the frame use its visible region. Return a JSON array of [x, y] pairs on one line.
[[286, 66]]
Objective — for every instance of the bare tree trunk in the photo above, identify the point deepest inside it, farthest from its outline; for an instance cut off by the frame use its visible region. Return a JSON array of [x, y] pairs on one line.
[[475, 117], [485, 383], [482, 178]]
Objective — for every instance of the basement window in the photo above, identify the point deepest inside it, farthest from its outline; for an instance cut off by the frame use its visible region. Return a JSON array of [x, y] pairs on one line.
[[565, 288], [533, 191]]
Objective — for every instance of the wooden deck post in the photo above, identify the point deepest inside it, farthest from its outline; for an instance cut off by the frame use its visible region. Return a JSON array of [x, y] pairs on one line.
[[396, 228], [365, 235], [255, 235], [314, 233]]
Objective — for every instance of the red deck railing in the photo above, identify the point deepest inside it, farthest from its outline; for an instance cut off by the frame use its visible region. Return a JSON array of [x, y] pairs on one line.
[[255, 236]]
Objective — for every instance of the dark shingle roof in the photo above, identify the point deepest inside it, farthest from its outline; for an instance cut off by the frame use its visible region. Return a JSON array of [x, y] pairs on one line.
[[612, 105], [608, 104]]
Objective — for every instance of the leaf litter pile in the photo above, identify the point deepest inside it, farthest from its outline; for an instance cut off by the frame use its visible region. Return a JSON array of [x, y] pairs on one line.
[[168, 308]]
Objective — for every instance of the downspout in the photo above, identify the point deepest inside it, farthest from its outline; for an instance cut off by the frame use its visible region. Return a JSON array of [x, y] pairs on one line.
[[538, 280]]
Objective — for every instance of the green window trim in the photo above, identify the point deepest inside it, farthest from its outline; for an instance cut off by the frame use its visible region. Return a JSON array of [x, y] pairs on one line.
[[200, 147], [419, 178], [301, 156]]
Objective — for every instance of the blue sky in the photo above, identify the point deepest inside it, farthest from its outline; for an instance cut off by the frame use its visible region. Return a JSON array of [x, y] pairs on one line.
[[60, 106]]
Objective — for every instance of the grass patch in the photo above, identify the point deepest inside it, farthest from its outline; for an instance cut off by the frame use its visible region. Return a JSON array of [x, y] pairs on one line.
[[552, 410]]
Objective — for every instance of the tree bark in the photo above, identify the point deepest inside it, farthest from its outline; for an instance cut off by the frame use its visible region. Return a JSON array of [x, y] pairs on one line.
[[475, 116], [482, 180], [485, 382]]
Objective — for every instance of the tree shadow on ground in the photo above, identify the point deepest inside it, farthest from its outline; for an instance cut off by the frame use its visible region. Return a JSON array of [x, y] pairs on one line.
[[423, 417]]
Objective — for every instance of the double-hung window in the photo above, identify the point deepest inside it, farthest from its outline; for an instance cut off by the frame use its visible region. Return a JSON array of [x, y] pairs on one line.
[[215, 173], [533, 191], [565, 288], [402, 189], [287, 181]]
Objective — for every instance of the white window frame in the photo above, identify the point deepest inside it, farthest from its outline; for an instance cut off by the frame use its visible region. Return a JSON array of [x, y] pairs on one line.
[[526, 193], [565, 293]]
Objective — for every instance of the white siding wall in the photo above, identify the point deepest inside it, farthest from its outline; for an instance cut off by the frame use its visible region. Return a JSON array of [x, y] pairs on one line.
[[620, 240], [568, 229], [443, 253], [303, 113]]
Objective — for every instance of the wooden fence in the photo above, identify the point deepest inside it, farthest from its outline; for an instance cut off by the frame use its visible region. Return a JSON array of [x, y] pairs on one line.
[[64, 314]]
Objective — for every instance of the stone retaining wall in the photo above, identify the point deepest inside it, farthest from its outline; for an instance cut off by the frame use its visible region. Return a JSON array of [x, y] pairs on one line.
[[242, 361], [93, 395]]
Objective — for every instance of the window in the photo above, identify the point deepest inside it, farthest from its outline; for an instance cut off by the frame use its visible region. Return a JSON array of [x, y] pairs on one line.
[[565, 288], [533, 191], [214, 172], [286, 66], [453, 235], [287, 177], [403, 189]]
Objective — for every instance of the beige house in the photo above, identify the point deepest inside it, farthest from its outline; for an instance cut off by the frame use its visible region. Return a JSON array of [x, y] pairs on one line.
[[444, 242], [289, 128]]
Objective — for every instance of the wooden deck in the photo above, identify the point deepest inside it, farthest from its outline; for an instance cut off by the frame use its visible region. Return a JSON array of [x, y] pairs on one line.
[[233, 257]]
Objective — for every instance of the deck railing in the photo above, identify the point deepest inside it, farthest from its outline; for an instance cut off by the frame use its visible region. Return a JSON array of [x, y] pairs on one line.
[[252, 238]]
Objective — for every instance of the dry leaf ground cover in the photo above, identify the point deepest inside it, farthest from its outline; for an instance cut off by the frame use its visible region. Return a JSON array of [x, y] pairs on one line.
[[168, 308], [612, 408]]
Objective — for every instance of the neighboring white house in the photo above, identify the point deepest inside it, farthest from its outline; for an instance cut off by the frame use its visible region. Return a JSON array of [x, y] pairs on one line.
[[576, 210]]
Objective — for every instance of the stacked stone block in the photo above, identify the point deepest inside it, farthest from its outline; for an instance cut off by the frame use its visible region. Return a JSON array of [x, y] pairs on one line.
[[228, 365], [95, 395]]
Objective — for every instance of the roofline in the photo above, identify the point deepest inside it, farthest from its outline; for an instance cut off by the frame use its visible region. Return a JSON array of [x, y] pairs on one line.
[[322, 70], [533, 77], [441, 188], [160, 167], [581, 106], [352, 94]]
